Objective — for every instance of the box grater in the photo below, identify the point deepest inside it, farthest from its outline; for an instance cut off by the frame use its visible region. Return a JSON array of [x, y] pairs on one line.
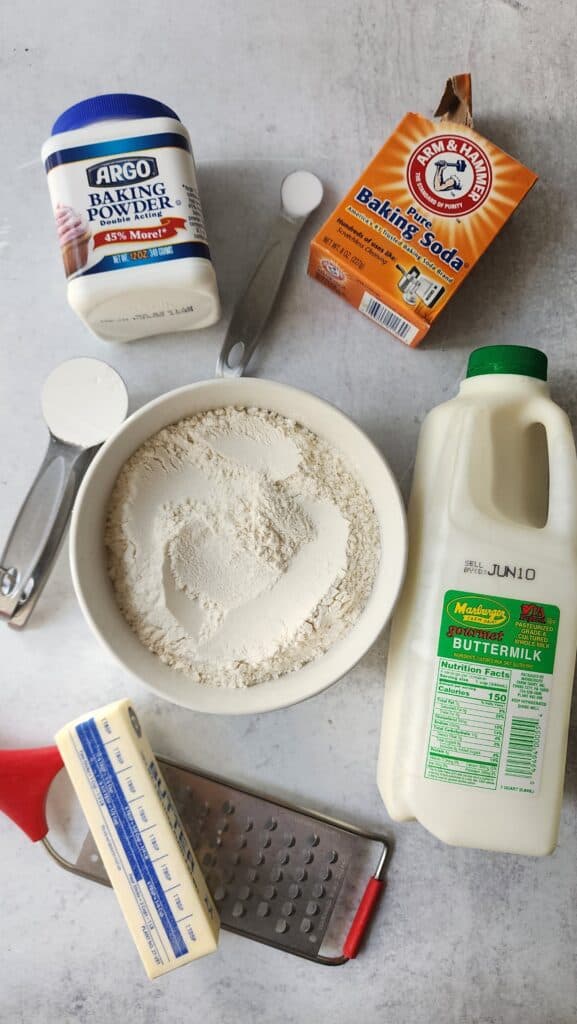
[[287, 877]]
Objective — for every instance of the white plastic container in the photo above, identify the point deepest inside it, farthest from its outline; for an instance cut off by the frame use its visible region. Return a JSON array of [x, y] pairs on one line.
[[482, 654], [123, 186]]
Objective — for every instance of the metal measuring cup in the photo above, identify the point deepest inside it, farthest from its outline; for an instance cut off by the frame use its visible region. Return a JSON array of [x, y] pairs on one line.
[[83, 403]]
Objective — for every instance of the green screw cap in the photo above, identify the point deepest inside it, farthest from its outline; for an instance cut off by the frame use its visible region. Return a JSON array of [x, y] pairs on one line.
[[529, 362]]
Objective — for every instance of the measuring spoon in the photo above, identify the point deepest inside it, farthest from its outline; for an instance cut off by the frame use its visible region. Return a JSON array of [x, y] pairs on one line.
[[83, 403], [301, 192]]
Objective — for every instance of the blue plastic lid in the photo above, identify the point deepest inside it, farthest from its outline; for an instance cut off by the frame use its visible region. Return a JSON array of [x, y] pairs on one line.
[[108, 107]]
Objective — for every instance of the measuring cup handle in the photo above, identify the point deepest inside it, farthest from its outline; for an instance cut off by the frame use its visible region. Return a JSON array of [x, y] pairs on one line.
[[253, 309], [25, 778], [37, 533]]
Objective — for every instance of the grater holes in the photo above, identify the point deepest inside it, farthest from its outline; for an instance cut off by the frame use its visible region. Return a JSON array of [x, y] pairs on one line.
[[260, 883]]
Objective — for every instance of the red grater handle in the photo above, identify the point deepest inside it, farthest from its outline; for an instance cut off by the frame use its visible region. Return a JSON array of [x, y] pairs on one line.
[[25, 778], [362, 917]]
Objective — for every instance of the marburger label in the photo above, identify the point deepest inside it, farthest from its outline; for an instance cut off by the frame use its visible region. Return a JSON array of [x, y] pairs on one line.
[[492, 693]]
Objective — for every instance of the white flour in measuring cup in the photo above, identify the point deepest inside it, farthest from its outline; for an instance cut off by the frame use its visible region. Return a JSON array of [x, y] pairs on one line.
[[240, 546]]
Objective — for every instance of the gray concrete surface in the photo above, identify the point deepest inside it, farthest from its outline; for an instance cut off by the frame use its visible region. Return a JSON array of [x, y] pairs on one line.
[[462, 937]]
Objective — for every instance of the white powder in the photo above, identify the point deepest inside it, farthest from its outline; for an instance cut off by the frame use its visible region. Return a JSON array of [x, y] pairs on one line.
[[240, 546]]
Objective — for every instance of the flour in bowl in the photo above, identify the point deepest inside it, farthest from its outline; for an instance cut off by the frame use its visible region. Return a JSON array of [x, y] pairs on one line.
[[240, 546]]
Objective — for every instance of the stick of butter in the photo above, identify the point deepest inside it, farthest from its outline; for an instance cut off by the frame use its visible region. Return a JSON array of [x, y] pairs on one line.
[[140, 838]]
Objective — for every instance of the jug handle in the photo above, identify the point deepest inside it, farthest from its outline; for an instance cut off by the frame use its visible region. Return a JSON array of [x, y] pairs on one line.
[[562, 512]]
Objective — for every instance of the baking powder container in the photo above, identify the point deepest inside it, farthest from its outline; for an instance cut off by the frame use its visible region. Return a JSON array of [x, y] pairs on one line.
[[123, 186]]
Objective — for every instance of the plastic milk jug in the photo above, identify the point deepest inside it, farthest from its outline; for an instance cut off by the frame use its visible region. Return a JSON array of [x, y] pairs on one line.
[[482, 655]]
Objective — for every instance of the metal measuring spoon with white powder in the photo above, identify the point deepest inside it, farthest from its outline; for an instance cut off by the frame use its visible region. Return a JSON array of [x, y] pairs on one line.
[[83, 402], [301, 193]]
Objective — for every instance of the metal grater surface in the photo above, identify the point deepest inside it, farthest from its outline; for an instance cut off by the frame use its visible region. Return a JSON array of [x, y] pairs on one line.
[[276, 873]]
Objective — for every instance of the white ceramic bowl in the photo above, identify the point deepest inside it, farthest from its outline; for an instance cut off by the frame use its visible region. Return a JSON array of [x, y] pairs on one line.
[[88, 563]]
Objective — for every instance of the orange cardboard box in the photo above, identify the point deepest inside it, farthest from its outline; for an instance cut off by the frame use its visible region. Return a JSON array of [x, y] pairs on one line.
[[417, 220]]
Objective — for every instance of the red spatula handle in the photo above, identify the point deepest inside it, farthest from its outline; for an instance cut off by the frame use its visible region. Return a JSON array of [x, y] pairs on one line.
[[362, 917], [25, 777]]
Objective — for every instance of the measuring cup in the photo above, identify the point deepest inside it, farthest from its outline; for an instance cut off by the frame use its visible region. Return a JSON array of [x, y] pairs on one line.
[[83, 402]]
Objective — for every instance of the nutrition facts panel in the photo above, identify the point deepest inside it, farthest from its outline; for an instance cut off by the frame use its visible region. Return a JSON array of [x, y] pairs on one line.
[[468, 723]]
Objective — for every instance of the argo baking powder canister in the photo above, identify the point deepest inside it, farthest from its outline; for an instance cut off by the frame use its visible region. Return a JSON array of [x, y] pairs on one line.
[[123, 186]]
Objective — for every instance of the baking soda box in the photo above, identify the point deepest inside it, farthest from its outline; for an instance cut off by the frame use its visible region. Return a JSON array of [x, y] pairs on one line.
[[417, 220]]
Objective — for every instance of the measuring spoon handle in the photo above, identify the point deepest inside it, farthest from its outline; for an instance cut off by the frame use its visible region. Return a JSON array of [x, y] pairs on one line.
[[37, 534], [253, 309]]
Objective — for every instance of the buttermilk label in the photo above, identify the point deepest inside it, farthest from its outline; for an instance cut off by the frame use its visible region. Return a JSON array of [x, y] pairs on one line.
[[411, 225], [494, 678]]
